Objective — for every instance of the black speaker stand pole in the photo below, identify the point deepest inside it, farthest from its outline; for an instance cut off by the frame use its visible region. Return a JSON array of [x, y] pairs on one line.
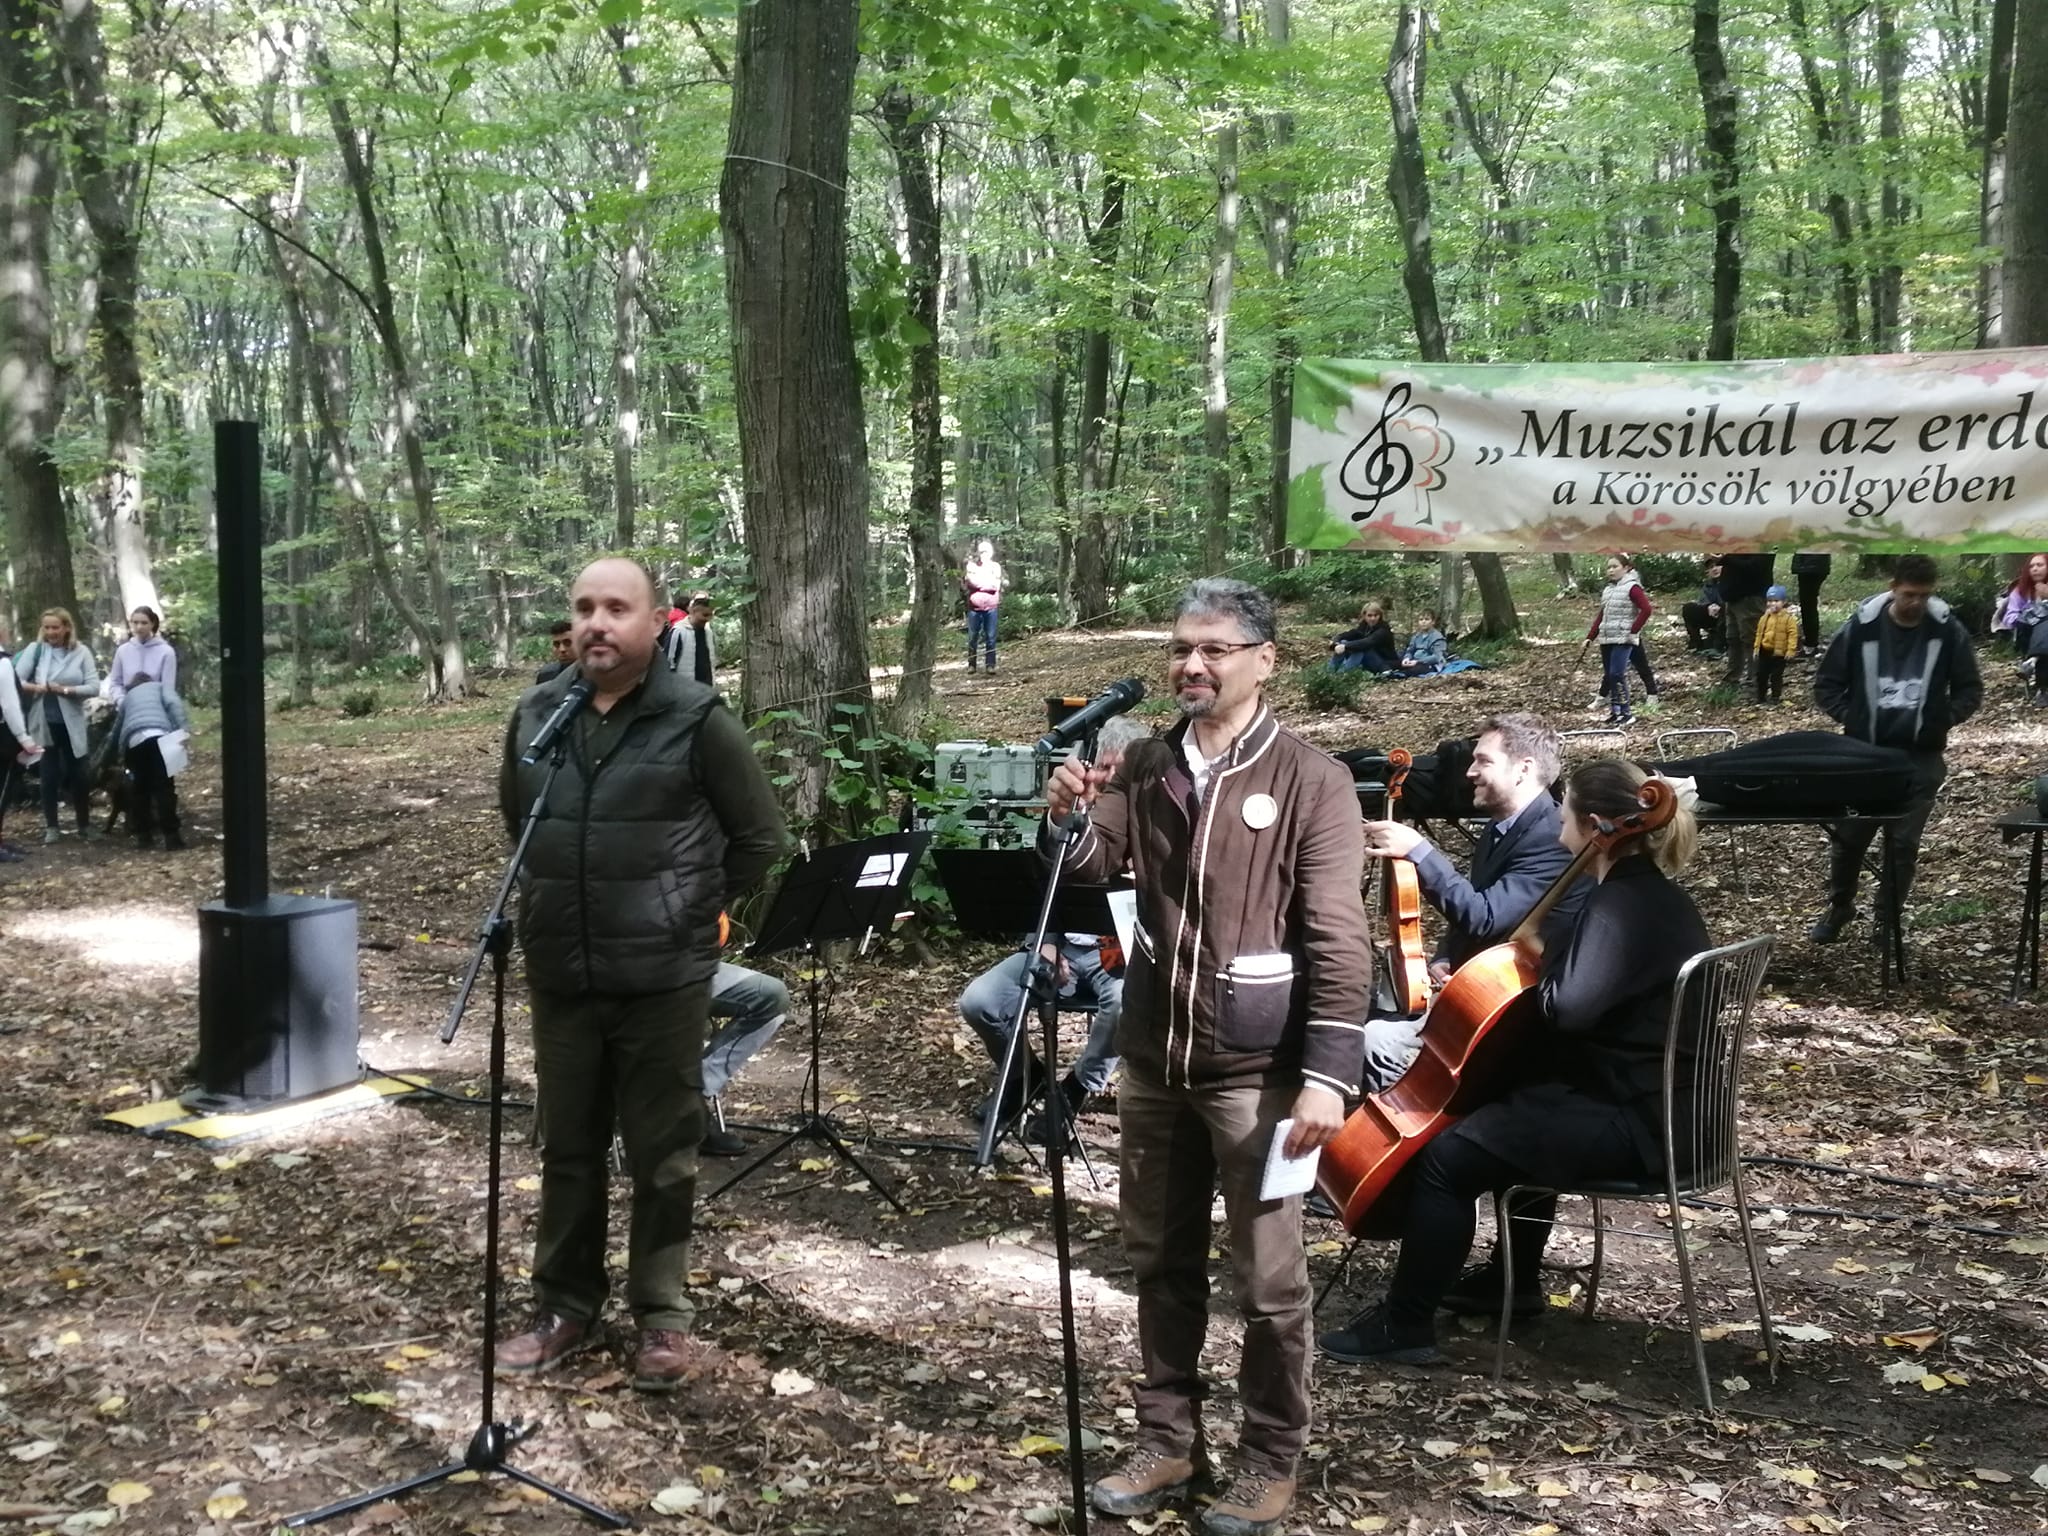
[[493, 1441]]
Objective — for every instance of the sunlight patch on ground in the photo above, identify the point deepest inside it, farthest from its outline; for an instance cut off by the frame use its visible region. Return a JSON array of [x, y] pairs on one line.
[[114, 938]]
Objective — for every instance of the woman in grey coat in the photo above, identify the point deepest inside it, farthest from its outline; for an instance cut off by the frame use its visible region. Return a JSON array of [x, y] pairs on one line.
[[57, 674]]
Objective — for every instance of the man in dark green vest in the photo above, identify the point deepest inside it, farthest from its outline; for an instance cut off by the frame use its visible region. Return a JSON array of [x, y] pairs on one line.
[[660, 815]]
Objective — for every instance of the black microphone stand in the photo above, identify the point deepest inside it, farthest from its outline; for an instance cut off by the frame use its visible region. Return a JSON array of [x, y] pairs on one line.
[[491, 1443], [1042, 984]]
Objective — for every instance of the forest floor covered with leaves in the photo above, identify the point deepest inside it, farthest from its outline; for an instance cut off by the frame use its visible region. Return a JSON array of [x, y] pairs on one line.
[[208, 1339]]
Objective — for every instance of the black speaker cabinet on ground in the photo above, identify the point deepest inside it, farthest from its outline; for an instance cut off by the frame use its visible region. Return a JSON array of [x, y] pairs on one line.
[[277, 998]]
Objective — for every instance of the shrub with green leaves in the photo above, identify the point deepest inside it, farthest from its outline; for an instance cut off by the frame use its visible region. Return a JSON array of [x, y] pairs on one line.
[[1973, 589], [361, 703], [1324, 689], [1667, 573]]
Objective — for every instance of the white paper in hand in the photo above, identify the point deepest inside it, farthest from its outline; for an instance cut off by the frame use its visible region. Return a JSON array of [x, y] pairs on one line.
[[1123, 911], [1286, 1175], [172, 749]]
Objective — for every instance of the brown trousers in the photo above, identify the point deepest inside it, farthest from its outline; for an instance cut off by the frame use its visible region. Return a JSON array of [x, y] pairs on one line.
[[1178, 1144], [637, 1062]]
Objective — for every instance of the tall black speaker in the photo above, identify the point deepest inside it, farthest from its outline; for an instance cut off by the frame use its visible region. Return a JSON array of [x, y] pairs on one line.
[[277, 974], [277, 997]]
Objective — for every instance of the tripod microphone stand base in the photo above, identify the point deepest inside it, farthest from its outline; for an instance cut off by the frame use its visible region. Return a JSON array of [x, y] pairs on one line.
[[813, 1126], [486, 1453]]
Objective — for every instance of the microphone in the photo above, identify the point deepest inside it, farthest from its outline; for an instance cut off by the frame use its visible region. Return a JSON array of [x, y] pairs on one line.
[[1106, 705], [571, 706]]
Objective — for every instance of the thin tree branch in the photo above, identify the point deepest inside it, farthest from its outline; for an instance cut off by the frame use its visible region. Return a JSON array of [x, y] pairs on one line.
[[271, 227]]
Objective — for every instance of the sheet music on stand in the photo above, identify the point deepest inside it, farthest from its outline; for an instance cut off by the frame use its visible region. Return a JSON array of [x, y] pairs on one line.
[[842, 892]]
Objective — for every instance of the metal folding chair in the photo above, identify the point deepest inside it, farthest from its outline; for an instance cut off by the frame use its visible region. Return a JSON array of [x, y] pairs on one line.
[[1710, 1011]]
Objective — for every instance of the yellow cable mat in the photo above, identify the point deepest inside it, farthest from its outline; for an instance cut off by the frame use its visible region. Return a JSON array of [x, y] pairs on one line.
[[170, 1117]]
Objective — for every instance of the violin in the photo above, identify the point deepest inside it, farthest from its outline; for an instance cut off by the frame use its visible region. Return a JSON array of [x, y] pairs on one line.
[[1401, 893], [1467, 1041]]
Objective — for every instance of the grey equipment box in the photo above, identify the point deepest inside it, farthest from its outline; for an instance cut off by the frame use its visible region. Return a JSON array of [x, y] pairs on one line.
[[974, 770]]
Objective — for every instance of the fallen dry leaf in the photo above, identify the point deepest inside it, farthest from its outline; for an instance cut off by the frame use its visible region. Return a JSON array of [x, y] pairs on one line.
[[1919, 1340]]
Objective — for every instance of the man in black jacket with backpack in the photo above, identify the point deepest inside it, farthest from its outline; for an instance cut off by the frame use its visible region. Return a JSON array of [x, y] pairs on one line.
[[1901, 673]]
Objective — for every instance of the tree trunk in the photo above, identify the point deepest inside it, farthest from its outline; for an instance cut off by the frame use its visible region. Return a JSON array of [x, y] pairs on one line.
[[1091, 543], [626, 301], [105, 193], [1216, 336], [1497, 616], [1408, 184], [1829, 136], [313, 329], [1991, 177], [2026, 186], [1888, 278], [1717, 102], [1450, 593], [907, 126], [970, 494], [626, 392], [782, 212], [1062, 504], [1567, 577], [298, 520], [1277, 219], [449, 668], [31, 118]]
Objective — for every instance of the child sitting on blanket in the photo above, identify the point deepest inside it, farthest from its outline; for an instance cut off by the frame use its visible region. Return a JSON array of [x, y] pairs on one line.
[[1427, 649]]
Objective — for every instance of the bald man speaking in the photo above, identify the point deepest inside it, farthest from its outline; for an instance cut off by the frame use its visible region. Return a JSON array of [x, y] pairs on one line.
[[660, 816]]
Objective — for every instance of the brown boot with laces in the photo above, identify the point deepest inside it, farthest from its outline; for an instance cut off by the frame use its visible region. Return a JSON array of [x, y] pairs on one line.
[[549, 1338], [668, 1358], [1152, 1476], [1253, 1505]]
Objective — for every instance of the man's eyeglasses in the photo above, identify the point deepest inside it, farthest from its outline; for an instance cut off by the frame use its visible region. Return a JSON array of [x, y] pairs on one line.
[[1211, 651]]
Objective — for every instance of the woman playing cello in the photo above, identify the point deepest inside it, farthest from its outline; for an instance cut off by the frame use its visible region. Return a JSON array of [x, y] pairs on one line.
[[1588, 1109]]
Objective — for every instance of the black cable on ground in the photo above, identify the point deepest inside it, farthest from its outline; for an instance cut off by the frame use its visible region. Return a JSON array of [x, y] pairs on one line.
[[439, 1093], [1699, 1202], [1764, 1161]]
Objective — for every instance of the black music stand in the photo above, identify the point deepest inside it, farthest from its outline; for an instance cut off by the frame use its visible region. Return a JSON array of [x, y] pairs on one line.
[[847, 891], [999, 894]]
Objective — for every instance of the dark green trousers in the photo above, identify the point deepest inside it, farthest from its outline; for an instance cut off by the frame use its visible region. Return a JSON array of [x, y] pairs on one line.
[[637, 1060]]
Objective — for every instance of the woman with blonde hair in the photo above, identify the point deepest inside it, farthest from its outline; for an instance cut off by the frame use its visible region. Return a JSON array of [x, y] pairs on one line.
[[57, 674], [1589, 1102]]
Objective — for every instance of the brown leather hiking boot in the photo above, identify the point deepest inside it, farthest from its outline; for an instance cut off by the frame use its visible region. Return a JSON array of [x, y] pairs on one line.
[[549, 1338], [667, 1358], [1150, 1477], [1253, 1505]]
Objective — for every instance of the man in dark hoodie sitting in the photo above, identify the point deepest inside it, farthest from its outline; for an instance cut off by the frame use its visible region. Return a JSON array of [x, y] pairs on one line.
[[1901, 673]]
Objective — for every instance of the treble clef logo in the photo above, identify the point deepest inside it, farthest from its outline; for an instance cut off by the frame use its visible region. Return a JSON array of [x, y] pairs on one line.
[[1387, 466]]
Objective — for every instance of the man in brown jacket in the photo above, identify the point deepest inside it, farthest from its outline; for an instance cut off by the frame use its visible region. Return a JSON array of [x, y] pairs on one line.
[[1244, 1002]]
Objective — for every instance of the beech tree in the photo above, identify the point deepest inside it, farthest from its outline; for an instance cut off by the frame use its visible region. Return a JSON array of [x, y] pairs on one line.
[[803, 448]]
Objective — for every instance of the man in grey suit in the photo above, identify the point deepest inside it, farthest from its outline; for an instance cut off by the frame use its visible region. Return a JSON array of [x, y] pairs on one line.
[[1518, 856]]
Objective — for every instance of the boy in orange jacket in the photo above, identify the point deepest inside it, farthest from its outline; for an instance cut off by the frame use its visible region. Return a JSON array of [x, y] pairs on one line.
[[1777, 637]]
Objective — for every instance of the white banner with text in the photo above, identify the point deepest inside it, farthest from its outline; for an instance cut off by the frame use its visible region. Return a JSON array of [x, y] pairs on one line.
[[1941, 451]]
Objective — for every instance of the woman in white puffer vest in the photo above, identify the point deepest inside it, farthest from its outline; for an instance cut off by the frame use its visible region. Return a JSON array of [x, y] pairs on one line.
[[1624, 609]]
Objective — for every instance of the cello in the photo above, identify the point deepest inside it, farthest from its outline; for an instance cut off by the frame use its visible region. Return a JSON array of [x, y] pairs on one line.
[[1467, 1041], [1401, 891]]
